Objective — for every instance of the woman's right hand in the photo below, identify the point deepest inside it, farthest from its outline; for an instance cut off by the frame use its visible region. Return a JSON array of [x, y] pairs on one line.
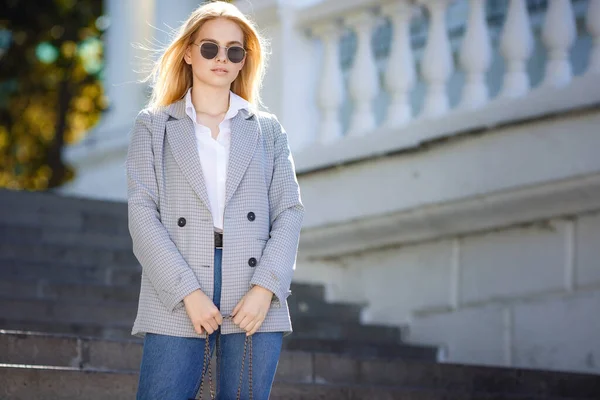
[[203, 313]]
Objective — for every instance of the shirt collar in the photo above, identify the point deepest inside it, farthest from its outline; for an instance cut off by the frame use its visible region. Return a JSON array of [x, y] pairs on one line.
[[236, 103]]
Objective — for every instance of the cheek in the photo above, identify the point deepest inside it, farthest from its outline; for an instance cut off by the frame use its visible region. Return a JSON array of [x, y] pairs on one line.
[[239, 67], [199, 64]]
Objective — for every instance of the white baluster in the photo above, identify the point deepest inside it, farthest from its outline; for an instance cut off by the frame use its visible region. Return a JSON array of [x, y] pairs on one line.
[[400, 72], [593, 27], [475, 57], [363, 80], [516, 45], [437, 64], [558, 34], [331, 85]]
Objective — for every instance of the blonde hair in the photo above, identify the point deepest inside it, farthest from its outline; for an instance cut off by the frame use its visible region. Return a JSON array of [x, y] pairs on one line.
[[171, 76]]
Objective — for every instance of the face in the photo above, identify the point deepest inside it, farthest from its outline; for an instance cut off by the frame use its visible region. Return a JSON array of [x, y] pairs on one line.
[[219, 71]]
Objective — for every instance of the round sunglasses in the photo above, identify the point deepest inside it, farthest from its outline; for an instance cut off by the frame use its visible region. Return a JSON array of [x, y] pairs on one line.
[[209, 50]]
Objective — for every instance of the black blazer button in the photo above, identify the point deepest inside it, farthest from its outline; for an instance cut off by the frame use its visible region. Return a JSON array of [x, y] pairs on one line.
[[252, 262], [251, 216], [181, 222]]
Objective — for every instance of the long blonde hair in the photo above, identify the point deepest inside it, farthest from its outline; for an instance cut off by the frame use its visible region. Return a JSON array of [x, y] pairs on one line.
[[171, 76]]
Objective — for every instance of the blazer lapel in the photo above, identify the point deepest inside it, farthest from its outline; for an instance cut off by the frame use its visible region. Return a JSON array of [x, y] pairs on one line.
[[244, 137], [180, 133]]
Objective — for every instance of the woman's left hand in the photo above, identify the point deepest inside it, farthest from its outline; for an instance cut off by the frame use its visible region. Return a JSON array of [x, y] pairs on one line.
[[252, 309]]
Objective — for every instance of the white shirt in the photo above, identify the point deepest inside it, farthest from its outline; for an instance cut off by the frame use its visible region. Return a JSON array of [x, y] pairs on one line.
[[214, 154]]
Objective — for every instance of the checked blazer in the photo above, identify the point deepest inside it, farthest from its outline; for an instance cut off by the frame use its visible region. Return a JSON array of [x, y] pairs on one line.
[[171, 225]]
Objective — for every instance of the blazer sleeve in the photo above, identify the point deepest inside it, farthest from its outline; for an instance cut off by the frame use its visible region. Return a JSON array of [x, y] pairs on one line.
[[278, 261], [160, 259]]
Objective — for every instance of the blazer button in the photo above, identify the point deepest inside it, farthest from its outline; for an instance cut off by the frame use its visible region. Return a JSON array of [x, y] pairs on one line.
[[252, 262], [251, 216], [181, 222]]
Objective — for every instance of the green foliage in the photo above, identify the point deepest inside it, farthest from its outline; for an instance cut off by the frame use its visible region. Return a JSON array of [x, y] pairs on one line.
[[51, 61]]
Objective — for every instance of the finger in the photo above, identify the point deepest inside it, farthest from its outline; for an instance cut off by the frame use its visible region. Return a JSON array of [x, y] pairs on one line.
[[253, 331], [209, 329], [213, 324], [239, 317], [237, 307], [216, 315], [257, 326], [198, 329], [251, 325], [245, 322]]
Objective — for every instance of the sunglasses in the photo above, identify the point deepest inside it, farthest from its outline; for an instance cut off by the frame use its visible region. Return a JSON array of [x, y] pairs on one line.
[[209, 50]]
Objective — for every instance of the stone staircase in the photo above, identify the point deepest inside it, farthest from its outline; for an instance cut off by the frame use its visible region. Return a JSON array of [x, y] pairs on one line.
[[68, 291]]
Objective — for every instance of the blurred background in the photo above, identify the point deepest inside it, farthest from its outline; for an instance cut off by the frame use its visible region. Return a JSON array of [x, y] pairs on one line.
[[52, 64], [447, 153]]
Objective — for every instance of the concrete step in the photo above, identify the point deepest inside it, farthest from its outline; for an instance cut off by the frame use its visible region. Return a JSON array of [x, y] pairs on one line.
[[68, 291], [44, 271], [401, 350], [88, 236], [26, 382], [65, 219], [87, 317], [89, 330], [62, 206], [61, 350], [23, 382], [66, 254], [306, 327], [44, 310], [312, 290], [318, 308], [17, 347]]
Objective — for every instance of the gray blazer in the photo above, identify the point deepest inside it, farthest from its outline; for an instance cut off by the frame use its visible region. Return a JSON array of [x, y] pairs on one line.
[[166, 183]]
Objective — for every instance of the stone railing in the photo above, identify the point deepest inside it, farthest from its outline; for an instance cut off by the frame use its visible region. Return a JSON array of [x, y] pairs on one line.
[[372, 99]]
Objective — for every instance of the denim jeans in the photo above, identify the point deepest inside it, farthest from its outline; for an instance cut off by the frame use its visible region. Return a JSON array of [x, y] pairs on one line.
[[171, 367]]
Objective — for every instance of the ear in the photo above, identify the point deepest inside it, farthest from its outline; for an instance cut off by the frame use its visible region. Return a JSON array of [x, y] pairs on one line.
[[187, 57]]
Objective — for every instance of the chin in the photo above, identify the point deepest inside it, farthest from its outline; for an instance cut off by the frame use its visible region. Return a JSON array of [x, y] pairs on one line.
[[216, 83], [220, 82]]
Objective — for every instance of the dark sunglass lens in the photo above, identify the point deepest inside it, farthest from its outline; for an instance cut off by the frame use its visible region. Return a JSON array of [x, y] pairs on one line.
[[236, 54], [209, 50]]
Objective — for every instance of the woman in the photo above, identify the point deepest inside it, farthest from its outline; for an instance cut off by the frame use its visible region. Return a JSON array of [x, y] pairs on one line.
[[214, 213]]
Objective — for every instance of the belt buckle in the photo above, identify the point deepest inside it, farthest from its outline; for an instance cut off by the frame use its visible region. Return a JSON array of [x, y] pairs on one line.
[[218, 239]]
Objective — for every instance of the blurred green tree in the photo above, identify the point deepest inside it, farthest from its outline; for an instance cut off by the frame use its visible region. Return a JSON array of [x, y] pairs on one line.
[[51, 62]]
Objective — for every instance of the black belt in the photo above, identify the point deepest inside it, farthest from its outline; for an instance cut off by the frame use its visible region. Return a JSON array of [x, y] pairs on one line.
[[218, 240]]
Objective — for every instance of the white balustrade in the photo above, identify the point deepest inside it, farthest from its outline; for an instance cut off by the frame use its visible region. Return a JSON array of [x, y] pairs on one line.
[[437, 64], [593, 27], [400, 73], [475, 57], [331, 85], [363, 79], [558, 35], [516, 46]]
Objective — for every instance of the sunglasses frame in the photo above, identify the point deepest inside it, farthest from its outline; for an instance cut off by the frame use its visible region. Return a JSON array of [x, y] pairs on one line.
[[219, 48]]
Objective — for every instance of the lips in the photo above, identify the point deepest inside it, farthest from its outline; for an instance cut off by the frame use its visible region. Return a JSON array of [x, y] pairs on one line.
[[219, 70]]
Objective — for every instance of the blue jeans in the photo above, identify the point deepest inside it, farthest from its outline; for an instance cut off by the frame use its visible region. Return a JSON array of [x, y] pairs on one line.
[[171, 366]]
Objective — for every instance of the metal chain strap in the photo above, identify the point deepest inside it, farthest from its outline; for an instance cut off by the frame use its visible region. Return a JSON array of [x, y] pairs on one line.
[[247, 342], [206, 366]]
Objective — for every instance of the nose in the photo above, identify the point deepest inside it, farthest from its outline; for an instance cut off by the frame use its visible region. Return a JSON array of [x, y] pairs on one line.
[[222, 54]]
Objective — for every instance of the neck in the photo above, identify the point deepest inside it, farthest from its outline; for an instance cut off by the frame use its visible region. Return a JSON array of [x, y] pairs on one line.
[[210, 99]]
